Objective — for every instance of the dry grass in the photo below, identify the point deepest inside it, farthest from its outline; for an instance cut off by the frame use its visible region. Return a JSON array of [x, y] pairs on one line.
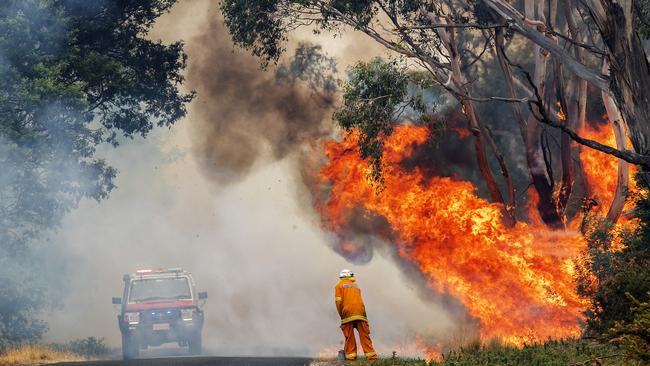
[[36, 355]]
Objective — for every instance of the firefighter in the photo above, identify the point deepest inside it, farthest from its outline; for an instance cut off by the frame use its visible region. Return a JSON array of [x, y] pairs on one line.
[[349, 304]]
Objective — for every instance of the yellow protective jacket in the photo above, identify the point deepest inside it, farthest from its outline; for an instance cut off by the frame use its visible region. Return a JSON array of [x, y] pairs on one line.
[[349, 303]]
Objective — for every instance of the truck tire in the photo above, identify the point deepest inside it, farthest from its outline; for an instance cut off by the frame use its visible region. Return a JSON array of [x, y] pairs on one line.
[[130, 348], [196, 344]]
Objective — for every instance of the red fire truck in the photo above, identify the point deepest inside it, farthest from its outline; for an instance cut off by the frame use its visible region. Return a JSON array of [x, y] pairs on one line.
[[160, 306]]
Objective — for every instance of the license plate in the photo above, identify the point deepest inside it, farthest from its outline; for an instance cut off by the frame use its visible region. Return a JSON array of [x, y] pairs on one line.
[[161, 326]]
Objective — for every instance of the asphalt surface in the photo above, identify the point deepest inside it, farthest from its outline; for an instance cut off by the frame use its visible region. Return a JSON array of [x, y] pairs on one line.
[[199, 361]]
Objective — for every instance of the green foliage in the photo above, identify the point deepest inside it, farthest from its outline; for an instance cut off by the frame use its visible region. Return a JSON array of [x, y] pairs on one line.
[[634, 335], [642, 8], [310, 65], [607, 274], [261, 26], [73, 74], [362, 11], [255, 25], [375, 98], [88, 347], [550, 353]]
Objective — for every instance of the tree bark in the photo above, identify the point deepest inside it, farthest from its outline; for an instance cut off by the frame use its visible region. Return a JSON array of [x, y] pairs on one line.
[[577, 96], [566, 158], [629, 83], [623, 174], [480, 133], [476, 127], [629, 69], [566, 151], [580, 126], [499, 41], [534, 155], [534, 32]]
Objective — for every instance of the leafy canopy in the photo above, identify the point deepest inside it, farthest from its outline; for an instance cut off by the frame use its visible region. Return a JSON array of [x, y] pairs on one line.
[[73, 74], [375, 98], [261, 26]]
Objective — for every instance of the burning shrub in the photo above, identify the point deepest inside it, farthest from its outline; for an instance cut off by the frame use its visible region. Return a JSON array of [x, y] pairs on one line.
[[616, 264]]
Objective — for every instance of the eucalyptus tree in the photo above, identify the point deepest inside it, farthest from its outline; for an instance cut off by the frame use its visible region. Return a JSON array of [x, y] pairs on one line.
[[446, 40]]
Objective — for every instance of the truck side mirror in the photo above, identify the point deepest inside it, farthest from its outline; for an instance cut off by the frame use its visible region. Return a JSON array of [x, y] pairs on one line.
[[203, 295], [117, 301]]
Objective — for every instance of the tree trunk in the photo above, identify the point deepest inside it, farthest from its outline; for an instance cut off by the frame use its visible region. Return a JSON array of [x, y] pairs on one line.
[[566, 151], [577, 103], [629, 69], [623, 175], [531, 129], [534, 155], [480, 132], [566, 148], [507, 74], [629, 83]]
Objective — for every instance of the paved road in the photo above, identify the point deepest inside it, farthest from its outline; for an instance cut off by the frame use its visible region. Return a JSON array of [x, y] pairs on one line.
[[199, 361]]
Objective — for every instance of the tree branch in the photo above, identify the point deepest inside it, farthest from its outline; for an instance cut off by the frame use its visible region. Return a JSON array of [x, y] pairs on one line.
[[456, 25], [627, 155], [576, 43], [518, 23]]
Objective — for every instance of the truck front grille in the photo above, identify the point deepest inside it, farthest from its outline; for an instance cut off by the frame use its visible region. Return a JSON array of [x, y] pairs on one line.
[[160, 316]]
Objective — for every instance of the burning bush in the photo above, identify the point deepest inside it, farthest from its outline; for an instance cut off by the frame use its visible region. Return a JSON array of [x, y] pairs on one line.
[[615, 265]]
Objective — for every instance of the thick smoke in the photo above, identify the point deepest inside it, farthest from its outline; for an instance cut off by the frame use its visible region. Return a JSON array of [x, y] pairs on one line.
[[242, 112]]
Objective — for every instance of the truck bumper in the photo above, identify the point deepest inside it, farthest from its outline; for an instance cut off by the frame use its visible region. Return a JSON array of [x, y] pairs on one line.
[[155, 334]]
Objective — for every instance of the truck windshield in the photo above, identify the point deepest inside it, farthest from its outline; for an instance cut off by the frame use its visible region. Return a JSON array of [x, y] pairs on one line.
[[159, 289]]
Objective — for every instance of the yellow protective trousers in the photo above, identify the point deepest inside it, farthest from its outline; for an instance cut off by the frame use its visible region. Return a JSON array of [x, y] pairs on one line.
[[350, 347]]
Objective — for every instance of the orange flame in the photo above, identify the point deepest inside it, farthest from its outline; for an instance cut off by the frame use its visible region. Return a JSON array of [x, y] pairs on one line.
[[420, 348], [517, 282], [561, 115], [600, 167]]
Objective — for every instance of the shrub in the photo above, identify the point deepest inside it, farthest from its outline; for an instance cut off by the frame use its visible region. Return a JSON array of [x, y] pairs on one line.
[[90, 347], [608, 271], [34, 354], [634, 336]]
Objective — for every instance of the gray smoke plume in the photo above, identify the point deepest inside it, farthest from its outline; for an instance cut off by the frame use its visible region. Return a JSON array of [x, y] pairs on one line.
[[243, 113]]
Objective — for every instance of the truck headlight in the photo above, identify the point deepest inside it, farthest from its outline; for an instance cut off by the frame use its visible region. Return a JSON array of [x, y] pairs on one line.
[[187, 314], [132, 318]]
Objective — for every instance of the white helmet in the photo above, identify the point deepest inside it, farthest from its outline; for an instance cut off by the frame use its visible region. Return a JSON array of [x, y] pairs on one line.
[[346, 273]]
